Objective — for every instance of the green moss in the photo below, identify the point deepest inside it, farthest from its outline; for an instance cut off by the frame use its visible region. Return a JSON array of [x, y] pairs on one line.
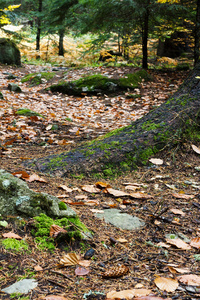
[[62, 205], [36, 78], [13, 244], [147, 126], [132, 80], [27, 112], [43, 224]]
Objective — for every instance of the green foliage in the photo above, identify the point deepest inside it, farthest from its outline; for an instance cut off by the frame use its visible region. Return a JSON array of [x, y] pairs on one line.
[[62, 205], [13, 244]]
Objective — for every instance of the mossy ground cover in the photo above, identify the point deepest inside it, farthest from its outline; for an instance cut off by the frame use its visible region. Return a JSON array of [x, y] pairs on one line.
[[36, 78], [98, 83]]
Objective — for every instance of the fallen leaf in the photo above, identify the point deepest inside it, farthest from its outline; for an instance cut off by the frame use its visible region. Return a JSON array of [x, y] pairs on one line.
[[132, 187], [55, 230], [195, 242], [151, 298], [38, 268], [121, 240], [35, 177], [164, 245], [190, 279], [196, 149], [182, 196], [177, 211], [84, 263], [4, 223], [140, 195], [69, 259], [54, 297], [64, 187], [21, 174], [128, 294], [80, 271], [179, 244], [11, 235], [90, 189], [166, 284], [178, 270], [156, 161], [97, 211], [116, 193], [102, 185]]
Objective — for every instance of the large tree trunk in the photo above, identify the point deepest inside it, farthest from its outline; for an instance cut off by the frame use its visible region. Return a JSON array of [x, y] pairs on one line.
[[38, 27], [174, 122]]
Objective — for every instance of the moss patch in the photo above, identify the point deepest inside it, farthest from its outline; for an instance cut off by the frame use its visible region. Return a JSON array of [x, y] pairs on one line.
[[95, 84], [36, 78], [27, 112], [14, 244], [75, 230]]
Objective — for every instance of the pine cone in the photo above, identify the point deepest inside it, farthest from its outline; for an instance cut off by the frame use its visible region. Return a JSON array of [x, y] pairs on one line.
[[115, 271]]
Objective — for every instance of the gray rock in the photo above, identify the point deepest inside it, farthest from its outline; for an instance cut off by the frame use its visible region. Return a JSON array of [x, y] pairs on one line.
[[23, 286], [17, 198], [121, 220], [9, 53], [14, 88]]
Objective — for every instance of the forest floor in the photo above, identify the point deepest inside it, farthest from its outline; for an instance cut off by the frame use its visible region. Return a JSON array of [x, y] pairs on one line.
[[171, 207]]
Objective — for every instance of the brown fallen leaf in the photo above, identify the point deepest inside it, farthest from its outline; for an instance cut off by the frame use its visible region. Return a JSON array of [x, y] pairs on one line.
[[11, 235], [128, 294], [151, 298], [140, 195], [64, 187], [196, 149], [177, 211], [21, 174], [102, 185], [182, 196], [84, 263], [55, 230], [179, 244], [54, 297], [80, 271], [176, 270], [90, 189], [38, 268], [190, 279], [116, 193], [35, 177], [69, 259], [132, 187], [195, 242], [166, 284], [156, 161]]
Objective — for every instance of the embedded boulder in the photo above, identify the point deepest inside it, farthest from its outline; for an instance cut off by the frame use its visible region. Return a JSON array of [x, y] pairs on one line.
[[9, 53], [17, 199]]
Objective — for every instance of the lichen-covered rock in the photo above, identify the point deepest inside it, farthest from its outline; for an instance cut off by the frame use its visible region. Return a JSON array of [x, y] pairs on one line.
[[14, 88], [17, 198], [9, 53]]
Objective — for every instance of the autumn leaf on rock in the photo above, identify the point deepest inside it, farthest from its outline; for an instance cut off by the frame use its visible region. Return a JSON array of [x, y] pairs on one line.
[[195, 242], [190, 279], [11, 235], [179, 244], [80, 271], [69, 259], [55, 230], [128, 294], [21, 174], [35, 177], [116, 193], [166, 284]]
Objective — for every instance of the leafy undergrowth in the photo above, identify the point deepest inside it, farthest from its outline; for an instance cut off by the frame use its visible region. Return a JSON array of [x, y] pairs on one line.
[[164, 194]]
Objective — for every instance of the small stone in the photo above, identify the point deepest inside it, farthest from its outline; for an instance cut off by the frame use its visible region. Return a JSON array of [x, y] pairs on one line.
[[23, 286]]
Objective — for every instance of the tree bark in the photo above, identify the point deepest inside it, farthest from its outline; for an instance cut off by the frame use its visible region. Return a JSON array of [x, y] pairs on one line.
[[197, 33], [145, 37], [38, 27], [61, 41], [175, 121]]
